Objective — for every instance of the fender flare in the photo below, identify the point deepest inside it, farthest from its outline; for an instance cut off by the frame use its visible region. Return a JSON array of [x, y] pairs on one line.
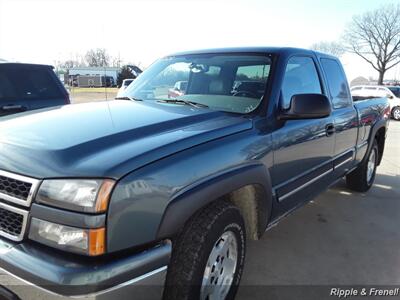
[[187, 202], [382, 123]]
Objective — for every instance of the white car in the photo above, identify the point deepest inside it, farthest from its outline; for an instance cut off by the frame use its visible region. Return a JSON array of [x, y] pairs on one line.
[[390, 92], [123, 87]]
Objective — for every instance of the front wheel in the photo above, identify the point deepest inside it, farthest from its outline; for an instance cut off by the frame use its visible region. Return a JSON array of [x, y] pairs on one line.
[[362, 178], [208, 256], [396, 113]]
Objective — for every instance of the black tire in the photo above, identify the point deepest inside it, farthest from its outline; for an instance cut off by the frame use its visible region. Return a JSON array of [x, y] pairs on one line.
[[358, 179], [396, 113], [192, 248]]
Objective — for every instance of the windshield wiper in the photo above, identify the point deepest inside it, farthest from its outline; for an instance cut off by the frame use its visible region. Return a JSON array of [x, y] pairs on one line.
[[128, 98], [187, 102]]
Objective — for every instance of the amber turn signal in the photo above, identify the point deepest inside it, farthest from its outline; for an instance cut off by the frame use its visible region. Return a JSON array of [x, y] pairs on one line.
[[103, 197], [97, 241]]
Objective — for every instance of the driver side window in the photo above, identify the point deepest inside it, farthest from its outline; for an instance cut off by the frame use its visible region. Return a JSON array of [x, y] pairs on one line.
[[300, 77]]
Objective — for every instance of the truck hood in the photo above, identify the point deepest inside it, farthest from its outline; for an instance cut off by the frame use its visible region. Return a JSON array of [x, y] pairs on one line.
[[106, 139]]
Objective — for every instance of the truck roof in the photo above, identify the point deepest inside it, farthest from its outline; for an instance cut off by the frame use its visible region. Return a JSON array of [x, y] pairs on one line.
[[272, 50]]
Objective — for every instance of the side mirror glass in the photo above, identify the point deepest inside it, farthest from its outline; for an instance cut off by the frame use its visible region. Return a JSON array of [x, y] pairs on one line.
[[307, 106]]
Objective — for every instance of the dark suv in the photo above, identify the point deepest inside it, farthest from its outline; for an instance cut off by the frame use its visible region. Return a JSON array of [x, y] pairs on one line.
[[27, 86]]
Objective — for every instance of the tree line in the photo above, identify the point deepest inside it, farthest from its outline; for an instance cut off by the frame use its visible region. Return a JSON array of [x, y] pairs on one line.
[[98, 57]]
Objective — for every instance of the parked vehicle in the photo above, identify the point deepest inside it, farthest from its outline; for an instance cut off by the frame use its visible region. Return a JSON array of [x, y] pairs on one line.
[[390, 92], [94, 81], [105, 198], [124, 85], [178, 89], [26, 87]]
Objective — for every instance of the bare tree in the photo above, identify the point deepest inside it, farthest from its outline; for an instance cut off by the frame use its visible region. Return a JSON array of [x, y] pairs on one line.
[[333, 48], [68, 64], [116, 62], [97, 58], [375, 36]]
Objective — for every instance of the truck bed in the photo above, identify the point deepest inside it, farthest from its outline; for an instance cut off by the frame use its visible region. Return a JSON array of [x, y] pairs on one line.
[[370, 111]]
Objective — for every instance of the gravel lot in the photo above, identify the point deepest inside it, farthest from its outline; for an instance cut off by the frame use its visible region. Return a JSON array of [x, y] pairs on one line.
[[81, 95]]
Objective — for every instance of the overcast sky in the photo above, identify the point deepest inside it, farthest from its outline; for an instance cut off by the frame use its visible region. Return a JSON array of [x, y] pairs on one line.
[[143, 30]]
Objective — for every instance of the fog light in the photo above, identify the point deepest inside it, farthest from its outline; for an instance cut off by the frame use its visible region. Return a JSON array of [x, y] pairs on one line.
[[83, 241]]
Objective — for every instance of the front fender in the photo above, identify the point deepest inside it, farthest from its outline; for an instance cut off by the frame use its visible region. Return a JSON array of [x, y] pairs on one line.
[[191, 199], [154, 201]]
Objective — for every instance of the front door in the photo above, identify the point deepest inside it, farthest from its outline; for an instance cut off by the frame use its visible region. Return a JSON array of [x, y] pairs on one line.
[[303, 149]]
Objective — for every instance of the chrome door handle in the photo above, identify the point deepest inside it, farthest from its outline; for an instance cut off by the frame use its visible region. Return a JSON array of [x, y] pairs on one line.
[[329, 129]]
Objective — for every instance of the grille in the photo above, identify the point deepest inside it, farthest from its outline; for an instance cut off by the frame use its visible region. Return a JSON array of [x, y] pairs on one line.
[[11, 223], [14, 187], [15, 190]]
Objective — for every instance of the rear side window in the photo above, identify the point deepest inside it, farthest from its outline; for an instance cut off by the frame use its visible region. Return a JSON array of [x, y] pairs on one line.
[[301, 77], [255, 73], [24, 83], [337, 83], [251, 81]]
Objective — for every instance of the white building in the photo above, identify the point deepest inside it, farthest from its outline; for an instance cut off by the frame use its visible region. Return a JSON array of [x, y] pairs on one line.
[[93, 71]]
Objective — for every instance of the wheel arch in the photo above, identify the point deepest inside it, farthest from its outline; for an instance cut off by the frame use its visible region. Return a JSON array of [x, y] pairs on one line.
[[392, 110], [380, 137], [378, 133], [248, 187]]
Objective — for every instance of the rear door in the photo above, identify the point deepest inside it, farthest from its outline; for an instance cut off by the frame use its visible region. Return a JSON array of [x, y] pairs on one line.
[[344, 115], [303, 149]]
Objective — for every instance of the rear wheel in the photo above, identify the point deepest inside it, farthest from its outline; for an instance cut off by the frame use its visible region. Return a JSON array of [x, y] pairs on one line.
[[396, 113], [362, 178], [208, 256]]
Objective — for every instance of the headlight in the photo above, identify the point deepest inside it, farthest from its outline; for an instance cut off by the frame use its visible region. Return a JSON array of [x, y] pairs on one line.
[[83, 241], [84, 195]]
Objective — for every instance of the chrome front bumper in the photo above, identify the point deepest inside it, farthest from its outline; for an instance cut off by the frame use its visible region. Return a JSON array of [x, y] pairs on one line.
[[147, 286]]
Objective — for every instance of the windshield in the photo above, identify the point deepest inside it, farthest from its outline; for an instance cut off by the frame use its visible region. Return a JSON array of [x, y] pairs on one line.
[[233, 83]]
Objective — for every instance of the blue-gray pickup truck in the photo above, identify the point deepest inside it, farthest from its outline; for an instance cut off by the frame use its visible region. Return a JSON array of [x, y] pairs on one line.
[[162, 190]]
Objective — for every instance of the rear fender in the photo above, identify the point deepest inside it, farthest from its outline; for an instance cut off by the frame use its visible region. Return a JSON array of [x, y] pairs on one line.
[[382, 123]]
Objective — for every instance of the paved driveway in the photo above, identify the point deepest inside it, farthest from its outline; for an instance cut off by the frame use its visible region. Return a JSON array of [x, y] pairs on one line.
[[340, 238]]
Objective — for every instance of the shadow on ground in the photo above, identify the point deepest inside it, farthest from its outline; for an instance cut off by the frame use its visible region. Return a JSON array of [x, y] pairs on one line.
[[340, 238]]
